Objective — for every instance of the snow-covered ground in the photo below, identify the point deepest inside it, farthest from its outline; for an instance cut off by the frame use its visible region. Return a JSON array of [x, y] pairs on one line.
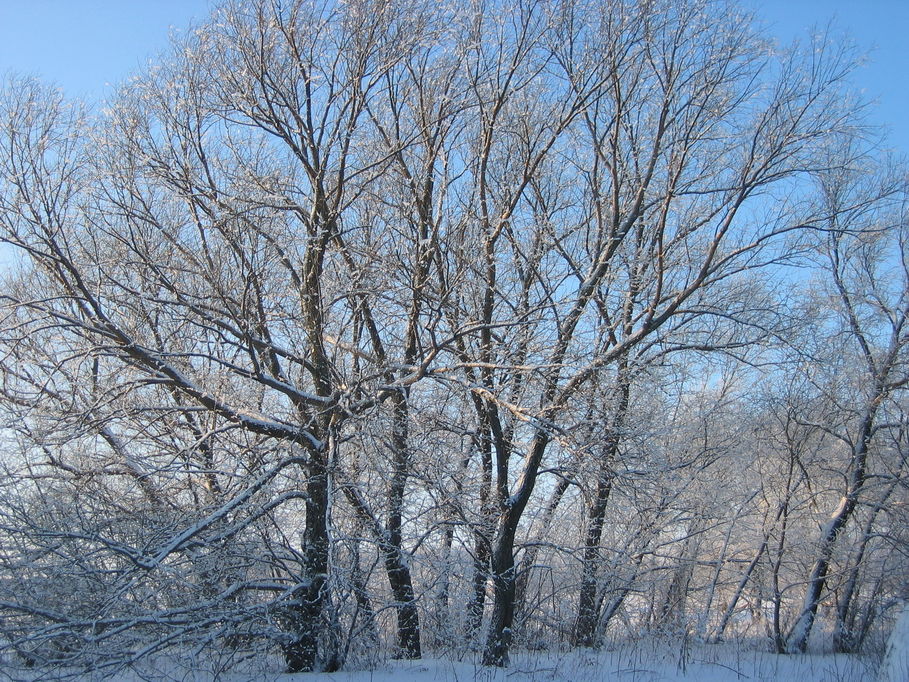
[[621, 667], [895, 667], [637, 662]]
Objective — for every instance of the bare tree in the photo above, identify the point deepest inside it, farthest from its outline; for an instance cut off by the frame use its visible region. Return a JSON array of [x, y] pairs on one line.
[[338, 280], [865, 262], [196, 246], [672, 157]]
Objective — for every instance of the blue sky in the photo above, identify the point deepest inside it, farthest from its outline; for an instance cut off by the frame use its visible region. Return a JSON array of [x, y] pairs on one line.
[[86, 46], [880, 31]]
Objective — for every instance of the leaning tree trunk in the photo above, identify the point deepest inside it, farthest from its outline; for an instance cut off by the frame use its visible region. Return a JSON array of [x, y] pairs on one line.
[[797, 641], [844, 639], [396, 568], [879, 367]]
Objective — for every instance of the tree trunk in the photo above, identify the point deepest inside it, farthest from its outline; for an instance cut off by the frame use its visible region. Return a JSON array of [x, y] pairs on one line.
[[397, 571], [588, 607], [844, 635], [797, 642], [482, 540], [498, 640], [739, 590], [395, 564], [408, 618], [306, 613], [588, 611]]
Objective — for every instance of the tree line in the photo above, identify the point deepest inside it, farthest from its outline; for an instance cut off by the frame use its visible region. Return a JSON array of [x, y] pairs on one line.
[[369, 326]]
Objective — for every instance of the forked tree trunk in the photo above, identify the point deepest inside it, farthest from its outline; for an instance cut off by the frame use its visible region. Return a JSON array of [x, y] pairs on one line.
[[504, 580]]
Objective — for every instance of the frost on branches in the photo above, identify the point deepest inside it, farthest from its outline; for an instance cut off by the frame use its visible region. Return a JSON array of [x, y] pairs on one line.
[[365, 329]]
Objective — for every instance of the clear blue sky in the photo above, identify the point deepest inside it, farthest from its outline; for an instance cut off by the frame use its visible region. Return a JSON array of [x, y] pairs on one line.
[[880, 31], [85, 46]]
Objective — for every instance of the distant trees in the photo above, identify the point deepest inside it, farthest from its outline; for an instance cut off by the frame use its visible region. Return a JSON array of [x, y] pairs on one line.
[[867, 290], [353, 309]]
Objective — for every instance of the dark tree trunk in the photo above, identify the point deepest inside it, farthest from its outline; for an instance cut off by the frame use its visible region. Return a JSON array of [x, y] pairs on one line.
[[585, 625], [498, 640], [306, 613], [395, 565], [588, 610], [399, 579], [797, 642], [408, 618], [511, 508], [482, 540]]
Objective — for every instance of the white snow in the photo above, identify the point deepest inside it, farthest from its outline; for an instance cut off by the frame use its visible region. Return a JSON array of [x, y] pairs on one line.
[[630, 662], [895, 667]]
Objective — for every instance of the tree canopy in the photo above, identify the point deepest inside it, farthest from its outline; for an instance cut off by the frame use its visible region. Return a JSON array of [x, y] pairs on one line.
[[371, 326]]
